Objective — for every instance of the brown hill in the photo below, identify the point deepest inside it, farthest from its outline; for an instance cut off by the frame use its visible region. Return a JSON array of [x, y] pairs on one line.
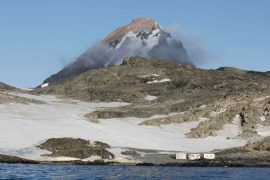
[[157, 87]]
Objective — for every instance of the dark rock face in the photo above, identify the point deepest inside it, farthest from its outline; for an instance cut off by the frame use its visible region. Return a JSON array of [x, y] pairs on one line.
[[78, 148], [102, 145], [76, 68], [14, 159]]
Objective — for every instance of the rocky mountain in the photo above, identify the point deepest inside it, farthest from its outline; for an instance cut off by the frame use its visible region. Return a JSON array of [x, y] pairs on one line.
[[143, 37], [109, 107]]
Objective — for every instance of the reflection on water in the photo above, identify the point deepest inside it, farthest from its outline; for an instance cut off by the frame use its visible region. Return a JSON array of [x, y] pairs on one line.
[[18, 171]]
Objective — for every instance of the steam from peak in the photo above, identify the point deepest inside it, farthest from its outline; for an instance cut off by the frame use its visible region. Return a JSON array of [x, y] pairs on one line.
[[163, 47], [194, 44]]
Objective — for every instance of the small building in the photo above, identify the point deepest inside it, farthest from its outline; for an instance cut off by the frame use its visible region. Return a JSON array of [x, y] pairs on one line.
[[181, 156], [209, 156], [194, 156]]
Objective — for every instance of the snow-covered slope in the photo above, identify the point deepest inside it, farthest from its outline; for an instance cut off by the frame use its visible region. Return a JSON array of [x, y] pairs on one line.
[[146, 31], [142, 37], [24, 126]]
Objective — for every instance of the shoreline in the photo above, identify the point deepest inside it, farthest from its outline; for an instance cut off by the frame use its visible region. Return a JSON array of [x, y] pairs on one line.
[[6, 159]]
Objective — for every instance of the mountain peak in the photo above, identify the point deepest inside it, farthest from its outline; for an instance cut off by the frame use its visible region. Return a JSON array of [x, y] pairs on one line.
[[141, 37], [143, 24], [139, 25]]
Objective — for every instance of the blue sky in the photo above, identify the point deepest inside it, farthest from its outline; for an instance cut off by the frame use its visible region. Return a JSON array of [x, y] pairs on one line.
[[37, 38]]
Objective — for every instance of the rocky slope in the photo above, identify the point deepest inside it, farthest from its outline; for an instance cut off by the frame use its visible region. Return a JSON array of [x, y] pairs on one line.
[[252, 154], [57, 119], [171, 108], [226, 97], [262, 146], [142, 37], [5, 87]]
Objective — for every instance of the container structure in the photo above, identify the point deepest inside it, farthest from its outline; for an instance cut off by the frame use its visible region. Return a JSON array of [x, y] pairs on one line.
[[209, 156], [194, 156], [181, 156]]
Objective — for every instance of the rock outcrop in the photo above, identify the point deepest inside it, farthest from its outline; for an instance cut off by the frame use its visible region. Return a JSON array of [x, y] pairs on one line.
[[13, 159], [77, 148]]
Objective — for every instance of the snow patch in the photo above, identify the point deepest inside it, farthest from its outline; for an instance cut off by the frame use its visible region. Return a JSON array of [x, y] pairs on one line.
[[150, 42], [92, 158], [150, 98], [59, 158], [159, 81], [215, 113], [24, 126], [128, 35], [119, 157], [231, 130], [203, 106], [262, 118], [263, 131], [45, 85], [153, 40], [150, 75]]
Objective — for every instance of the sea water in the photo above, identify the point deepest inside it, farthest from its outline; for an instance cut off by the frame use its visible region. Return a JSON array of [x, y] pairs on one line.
[[21, 171]]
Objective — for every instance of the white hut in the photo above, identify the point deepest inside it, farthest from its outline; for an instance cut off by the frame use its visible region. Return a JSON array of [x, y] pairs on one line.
[[209, 156], [194, 156], [181, 156]]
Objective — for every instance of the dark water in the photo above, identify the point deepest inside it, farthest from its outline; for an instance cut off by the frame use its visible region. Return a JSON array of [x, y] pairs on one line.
[[17, 171]]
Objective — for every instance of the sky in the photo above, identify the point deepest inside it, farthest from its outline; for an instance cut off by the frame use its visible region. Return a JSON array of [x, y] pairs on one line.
[[38, 38]]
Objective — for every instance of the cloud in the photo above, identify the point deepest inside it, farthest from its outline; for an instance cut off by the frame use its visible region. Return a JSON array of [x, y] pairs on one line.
[[171, 45], [165, 48], [194, 43]]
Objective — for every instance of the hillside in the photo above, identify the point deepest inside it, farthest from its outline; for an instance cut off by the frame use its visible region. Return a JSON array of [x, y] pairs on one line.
[[139, 111], [220, 95], [4, 87], [137, 77]]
